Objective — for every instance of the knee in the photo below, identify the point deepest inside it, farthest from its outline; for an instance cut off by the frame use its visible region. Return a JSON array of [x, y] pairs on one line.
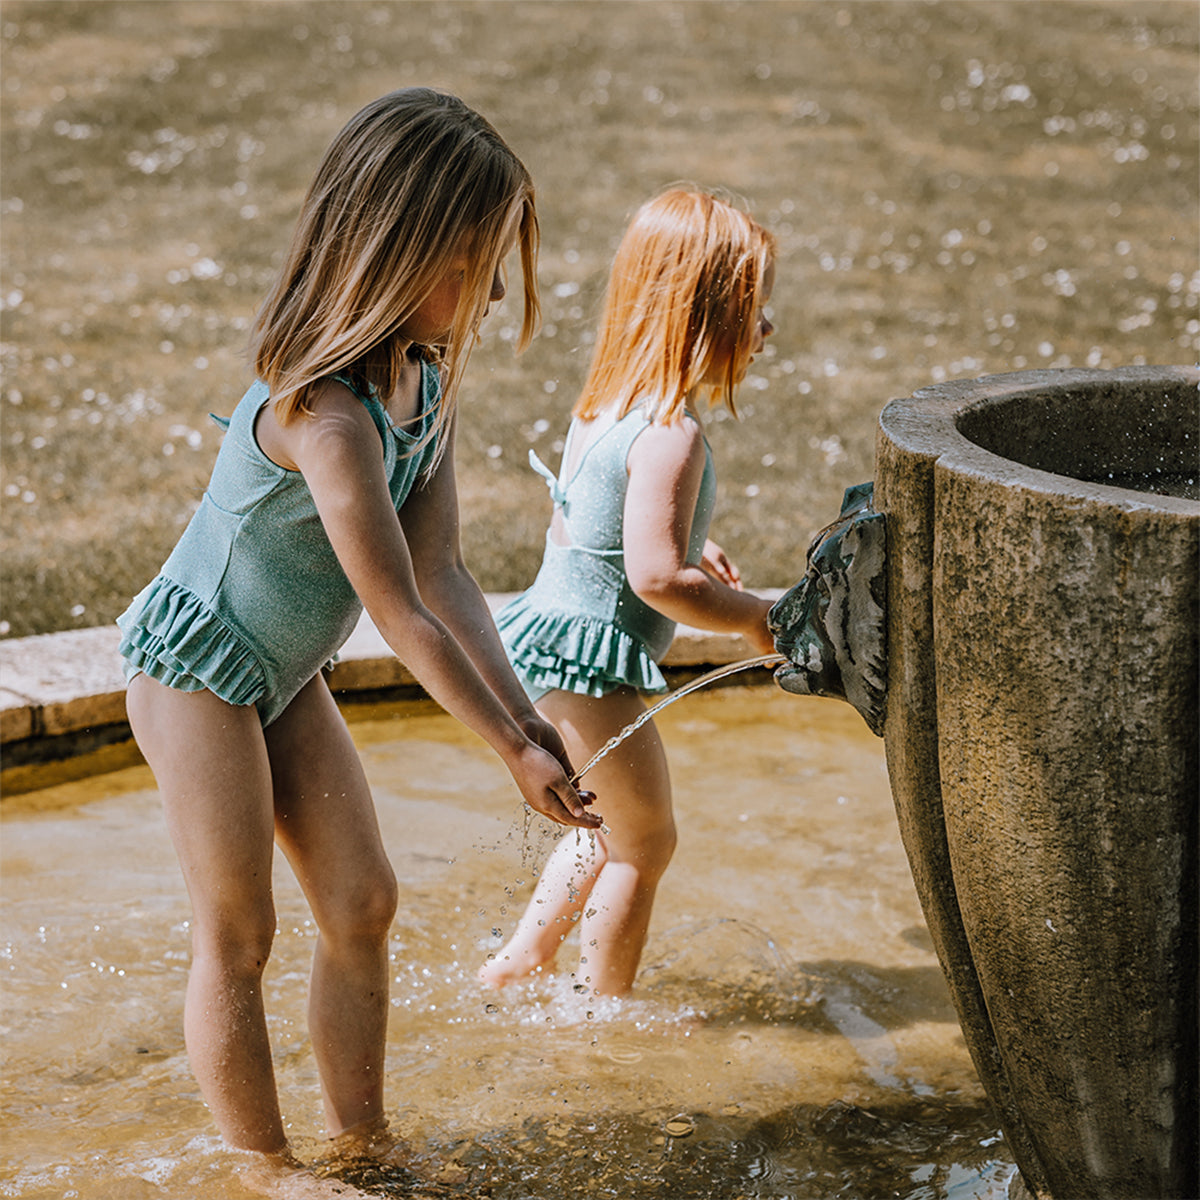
[[659, 849], [237, 943], [364, 912], [652, 854], [377, 906]]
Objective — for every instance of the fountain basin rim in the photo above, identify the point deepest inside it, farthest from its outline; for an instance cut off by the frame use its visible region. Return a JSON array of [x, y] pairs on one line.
[[926, 424]]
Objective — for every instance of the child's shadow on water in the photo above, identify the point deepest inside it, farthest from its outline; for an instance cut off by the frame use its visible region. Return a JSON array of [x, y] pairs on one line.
[[726, 972], [732, 972], [861, 1151]]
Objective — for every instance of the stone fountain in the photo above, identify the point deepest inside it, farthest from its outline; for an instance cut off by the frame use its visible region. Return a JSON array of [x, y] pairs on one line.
[[1042, 614]]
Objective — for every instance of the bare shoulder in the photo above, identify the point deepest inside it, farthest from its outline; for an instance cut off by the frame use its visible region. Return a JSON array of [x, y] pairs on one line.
[[668, 449], [336, 420], [331, 397]]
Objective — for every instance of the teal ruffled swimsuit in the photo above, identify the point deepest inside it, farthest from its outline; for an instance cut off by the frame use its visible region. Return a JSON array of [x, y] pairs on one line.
[[580, 627], [252, 602]]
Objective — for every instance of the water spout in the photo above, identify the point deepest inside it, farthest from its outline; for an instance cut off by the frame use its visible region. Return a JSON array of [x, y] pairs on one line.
[[765, 660]]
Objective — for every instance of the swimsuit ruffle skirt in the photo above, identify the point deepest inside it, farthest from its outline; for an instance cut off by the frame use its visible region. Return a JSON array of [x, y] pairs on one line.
[[252, 602], [580, 627], [552, 647]]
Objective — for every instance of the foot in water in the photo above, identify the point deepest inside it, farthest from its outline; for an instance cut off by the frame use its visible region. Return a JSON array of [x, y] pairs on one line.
[[285, 1177], [366, 1156], [509, 966]]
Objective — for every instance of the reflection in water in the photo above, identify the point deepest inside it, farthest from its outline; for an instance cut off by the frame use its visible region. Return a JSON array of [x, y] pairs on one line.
[[790, 1034]]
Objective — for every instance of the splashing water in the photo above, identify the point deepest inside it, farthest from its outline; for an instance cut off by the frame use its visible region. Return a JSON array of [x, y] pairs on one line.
[[790, 1025], [764, 660]]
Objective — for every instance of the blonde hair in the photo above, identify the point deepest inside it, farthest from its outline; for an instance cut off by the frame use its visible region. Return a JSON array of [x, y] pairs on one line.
[[414, 180], [679, 315]]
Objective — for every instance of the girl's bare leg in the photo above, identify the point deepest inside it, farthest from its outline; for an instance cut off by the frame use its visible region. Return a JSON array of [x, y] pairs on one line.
[[210, 762], [557, 903], [326, 825], [614, 894]]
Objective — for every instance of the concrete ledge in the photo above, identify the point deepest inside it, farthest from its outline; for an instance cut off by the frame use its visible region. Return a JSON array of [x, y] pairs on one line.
[[63, 694]]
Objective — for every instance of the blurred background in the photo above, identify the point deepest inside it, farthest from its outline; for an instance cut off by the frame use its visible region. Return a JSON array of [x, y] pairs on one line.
[[958, 188]]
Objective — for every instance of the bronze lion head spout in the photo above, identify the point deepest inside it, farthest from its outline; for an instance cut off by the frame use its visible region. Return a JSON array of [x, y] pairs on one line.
[[832, 626]]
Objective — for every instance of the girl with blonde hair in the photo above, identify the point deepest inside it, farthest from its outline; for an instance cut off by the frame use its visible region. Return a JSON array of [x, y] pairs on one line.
[[333, 490], [627, 556]]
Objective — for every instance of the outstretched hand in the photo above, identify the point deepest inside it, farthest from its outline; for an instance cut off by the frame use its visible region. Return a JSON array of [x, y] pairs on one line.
[[718, 564], [759, 636]]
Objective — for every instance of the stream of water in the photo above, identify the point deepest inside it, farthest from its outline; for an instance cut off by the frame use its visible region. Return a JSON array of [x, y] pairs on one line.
[[713, 676]]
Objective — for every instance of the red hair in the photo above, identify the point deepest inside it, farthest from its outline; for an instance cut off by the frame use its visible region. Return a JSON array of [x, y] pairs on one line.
[[681, 308]]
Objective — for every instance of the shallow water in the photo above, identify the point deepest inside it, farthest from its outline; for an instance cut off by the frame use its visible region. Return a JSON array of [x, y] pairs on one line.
[[790, 1036]]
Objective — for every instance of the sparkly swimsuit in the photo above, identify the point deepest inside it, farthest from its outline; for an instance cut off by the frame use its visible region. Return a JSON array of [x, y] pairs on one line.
[[252, 602], [580, 627]]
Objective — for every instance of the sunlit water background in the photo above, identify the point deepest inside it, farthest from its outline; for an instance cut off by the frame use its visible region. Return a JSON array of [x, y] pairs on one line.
[[790, 1036], [957, 188]]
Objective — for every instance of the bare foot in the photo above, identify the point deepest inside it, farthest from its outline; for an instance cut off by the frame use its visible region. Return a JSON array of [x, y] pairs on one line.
[[370, 1139], [371, 1156], [508, 966], [284, 1177]]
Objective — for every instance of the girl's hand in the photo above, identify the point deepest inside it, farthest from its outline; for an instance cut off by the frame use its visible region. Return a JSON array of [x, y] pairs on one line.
[[547, 790], [541, 733], [758, 635], [717, 563]]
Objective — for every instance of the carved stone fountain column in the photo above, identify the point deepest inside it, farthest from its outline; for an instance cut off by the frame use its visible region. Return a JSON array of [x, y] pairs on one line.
[[1043, 597]]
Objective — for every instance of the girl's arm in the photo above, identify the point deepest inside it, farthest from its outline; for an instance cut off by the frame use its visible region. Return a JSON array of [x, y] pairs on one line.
[[666, 464], [339, 454], [430, 520]]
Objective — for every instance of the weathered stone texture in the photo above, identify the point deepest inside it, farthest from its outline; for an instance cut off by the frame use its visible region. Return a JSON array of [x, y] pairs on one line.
[[1042, 745]]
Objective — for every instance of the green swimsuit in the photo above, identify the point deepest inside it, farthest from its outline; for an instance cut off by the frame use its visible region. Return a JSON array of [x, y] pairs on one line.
[[252, 602], [580, 627]]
